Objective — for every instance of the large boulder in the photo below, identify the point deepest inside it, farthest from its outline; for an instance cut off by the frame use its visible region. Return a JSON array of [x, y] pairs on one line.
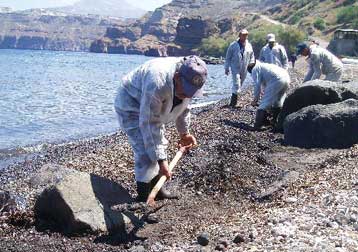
[[75, 202], [323, 126], [316, 92]]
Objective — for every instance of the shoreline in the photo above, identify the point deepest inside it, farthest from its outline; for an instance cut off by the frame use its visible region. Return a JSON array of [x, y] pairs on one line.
[[22, 153], [210, 60]]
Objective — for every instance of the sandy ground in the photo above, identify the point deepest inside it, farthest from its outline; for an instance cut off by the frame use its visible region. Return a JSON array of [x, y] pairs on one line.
[[241, 190]]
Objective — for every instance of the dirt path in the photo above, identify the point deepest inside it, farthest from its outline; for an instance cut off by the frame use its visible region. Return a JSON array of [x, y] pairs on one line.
[[270, 20]]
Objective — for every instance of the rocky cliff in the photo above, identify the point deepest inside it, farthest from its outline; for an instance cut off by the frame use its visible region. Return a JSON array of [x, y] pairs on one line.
[[179, 27], [51, 31], [174, 29]]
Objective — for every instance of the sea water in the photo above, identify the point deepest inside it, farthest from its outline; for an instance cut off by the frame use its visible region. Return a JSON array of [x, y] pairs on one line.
[[52, 97]]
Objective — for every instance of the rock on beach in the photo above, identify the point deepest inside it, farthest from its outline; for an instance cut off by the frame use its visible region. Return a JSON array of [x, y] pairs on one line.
[[316, 92], [323, 126], [75, 202]]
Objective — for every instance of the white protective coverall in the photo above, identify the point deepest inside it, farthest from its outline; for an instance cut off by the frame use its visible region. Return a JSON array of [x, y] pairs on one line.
[[277, 55], [238, 63], [144, 104], [275, 81], [323, 61]]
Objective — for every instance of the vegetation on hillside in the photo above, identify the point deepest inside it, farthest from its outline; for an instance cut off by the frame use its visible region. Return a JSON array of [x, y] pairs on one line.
[[318, 17], [215, 46], [289, 37], [348, 15], [319, 24]]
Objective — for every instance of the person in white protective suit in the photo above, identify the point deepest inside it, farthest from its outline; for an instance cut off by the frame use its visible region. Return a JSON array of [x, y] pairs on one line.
[[157, 92], [320, 61], [238, 56], [274, 53], [274, 80]]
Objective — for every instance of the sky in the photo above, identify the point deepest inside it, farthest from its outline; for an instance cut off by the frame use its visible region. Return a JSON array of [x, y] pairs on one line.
[[28, 4]]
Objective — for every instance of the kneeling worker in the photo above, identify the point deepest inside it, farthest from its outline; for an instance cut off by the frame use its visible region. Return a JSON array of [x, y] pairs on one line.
[[321, 61], [157, 92], [275, 81]]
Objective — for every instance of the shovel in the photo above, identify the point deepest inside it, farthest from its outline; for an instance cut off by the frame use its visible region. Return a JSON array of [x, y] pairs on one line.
[[161, 181]]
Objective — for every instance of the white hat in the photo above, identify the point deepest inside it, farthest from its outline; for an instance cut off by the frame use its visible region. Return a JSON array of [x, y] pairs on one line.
[[243, 31], [270, 37]]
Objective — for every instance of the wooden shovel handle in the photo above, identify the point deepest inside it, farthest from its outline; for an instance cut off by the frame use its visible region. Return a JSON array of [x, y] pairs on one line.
[[163, 178]]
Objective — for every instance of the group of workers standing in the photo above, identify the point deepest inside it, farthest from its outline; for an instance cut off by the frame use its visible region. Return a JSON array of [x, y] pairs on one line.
[[160, 91], [270, 72]]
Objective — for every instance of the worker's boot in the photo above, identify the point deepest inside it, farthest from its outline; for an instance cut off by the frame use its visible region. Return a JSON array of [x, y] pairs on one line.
[[163, 193], [143, 190], [260, 119], [233, 102], [275, 112]]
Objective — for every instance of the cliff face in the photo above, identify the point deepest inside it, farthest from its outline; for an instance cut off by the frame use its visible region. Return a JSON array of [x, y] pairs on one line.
[[174, 29], [190, 31], [179, 27], [36, 30]]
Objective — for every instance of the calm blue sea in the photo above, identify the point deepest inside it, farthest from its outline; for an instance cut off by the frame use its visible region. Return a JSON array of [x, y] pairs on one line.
[[52, 97]]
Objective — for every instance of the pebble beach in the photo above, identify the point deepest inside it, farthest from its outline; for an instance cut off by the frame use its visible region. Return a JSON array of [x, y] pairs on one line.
[[240, 190]]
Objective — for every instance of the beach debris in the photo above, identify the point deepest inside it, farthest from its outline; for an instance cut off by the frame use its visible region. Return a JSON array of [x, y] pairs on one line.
[[239, 238], [203, 239], [220, 247]]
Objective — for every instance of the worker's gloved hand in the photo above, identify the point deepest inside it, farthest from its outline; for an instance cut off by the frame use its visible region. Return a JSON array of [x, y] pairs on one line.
[[187, 141], [164, 169]]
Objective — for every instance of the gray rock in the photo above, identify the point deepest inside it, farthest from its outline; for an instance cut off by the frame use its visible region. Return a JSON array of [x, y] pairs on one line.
[[220, 247], [355, 226], [75, 202], [291, 200], [316, 92], [323, 126], [332, 224], [225, 243], [353, 218], [49, 175], [239, 238], [284, 230], [341, 219], [203, 239], [137, 249], [7, 202]]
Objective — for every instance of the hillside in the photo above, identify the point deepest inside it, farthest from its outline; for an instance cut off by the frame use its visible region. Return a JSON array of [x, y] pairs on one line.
[[318, 17], [208, 26], [204, 27], [180, 27]]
